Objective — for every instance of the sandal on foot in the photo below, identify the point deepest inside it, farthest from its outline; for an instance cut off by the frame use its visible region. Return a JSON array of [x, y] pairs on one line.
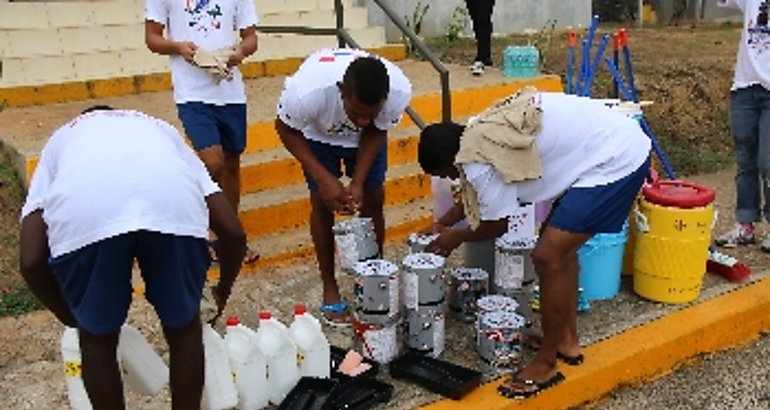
[[336, 314], [214, 250], [251, 256], [571, 360], [531, 387]]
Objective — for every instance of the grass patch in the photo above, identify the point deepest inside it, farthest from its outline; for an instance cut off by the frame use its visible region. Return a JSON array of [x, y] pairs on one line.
[[17, 300]]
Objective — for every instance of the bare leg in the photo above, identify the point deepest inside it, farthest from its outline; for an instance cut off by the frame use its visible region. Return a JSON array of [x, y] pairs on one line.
[[186, 365], [231, 179], [372, 207], [321, 222], [101, 374], [555, 258]]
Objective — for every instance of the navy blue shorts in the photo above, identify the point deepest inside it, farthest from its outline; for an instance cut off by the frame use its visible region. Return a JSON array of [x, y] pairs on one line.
[[332, 157], [208, 124], [96, 279], [599, 209]]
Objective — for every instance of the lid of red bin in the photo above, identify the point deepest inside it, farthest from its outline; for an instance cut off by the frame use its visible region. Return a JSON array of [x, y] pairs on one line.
[[678, 193]]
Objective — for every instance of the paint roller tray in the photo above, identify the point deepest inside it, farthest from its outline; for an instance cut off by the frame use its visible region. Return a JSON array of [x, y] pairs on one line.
[[309, 393], [337, 355], [438, 376], [359, 393]]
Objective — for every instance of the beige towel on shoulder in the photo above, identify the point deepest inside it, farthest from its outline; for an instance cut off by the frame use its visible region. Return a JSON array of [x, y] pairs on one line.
[[504, 137]]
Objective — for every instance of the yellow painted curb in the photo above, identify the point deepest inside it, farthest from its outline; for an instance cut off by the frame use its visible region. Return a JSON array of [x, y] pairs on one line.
[[642, 353]]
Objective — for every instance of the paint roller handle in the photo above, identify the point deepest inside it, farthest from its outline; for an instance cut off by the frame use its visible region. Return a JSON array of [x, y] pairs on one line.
[[572, 39], [616, 60], [595, 66]]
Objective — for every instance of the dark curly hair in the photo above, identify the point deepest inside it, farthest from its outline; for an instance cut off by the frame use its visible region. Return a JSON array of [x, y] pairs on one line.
[[438, 147]]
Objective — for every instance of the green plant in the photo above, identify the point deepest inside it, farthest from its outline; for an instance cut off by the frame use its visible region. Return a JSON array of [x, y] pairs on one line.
[[541, 40], [458, 24], [17, 300], [415, 24]]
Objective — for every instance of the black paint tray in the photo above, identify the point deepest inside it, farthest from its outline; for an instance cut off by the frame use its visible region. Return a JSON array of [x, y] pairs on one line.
[[359, 393], [337, 354], [309, 393], [447, 379]]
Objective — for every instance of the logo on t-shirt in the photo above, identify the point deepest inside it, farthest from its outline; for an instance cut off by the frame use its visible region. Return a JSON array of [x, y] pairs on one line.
[[759, 32], [205, 15]]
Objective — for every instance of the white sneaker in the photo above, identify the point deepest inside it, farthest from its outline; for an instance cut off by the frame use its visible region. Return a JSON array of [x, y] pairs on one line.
[[740, 235], [477, 68]]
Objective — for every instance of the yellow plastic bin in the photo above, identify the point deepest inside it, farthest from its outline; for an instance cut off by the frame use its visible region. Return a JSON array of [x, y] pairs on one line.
[[673, 221]]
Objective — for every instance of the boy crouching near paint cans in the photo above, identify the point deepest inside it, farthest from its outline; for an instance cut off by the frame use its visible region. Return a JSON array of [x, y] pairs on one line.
[[533, 147]]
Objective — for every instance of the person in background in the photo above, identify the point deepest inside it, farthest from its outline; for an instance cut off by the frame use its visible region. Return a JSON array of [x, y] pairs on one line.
[[111, 187], [208, 88], [750, 125], [336, 109], [481, 17], [593, 164]]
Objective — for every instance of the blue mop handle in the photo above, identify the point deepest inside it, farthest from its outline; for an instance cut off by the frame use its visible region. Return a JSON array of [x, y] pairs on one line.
[[595, 66], [618, 79], [627, 61], [584, 66], [571, 44]]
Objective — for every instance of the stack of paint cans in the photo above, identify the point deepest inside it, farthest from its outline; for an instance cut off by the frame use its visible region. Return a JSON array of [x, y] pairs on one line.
[[424, 303], [515, 272], [466, 286], [355, 241], [499, 330], [377, 309], [417, 242]]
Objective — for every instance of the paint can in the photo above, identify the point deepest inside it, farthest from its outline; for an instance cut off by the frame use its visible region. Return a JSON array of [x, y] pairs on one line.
[[500, 336], [513, 264], [376, 287], [355, 241], [424, 330], [377, 342], [423, 279], [466, 286], [417, 242]]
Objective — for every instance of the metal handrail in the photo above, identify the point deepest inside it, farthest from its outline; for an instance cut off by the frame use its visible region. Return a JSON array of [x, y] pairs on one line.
[[344, 38]]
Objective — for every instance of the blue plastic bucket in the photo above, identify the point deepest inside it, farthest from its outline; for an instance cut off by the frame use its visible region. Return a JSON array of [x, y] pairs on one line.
[[601, 262]]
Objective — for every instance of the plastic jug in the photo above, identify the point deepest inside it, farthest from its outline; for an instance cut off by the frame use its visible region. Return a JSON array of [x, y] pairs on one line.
[[248, 364], [143, 369], [281, 353], [70, 352], [314, 354], [219, 391]]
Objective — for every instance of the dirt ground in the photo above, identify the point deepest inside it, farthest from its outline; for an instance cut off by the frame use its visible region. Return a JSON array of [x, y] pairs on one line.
[[685, 71]]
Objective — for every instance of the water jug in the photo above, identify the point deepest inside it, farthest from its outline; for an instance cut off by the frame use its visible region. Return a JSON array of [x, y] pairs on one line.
[[248, 364], [219, 391], [143, 369], [281, 353], [70, 353], [313, 348]]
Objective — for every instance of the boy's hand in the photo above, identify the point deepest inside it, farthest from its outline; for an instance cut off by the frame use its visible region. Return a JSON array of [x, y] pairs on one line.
[[187, 50]]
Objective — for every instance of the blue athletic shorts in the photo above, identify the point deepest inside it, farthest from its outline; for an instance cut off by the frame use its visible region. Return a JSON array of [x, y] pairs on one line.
[[96, 279], [208, 124], [599, 209], [332, 157]]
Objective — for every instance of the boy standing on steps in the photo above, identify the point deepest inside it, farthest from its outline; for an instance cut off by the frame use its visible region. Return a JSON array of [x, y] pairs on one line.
[[114, 186], [336, 109], [208, 88]]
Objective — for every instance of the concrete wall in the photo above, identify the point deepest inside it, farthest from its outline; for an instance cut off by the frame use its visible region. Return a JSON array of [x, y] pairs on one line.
[[510, 16]]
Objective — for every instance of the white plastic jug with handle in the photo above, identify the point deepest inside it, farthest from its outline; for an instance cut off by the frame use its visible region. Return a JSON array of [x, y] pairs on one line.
[[219, 391], [313, 348], [70, 353], [143, 369], [248, 364], [275, 341]]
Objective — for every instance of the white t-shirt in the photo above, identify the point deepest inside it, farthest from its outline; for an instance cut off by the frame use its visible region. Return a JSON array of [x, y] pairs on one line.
[[582, 143], [111, 172], [753, 63], [311, 100], [211, 24]]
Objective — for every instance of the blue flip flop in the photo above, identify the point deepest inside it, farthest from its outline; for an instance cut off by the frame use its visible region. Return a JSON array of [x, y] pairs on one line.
[[339, 308]]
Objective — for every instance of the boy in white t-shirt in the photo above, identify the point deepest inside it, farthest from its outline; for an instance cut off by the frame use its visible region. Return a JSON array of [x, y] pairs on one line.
[[750, 124], [592, 160], [337, 109], [115, 186], [208, 88]]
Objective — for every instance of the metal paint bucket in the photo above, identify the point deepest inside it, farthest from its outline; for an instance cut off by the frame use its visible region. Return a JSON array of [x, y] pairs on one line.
[[424, 330], [417, 242], [466, 286], [513, 264], [355, 241], [379, 343], [376, 287], [500, 336], [423, 279]]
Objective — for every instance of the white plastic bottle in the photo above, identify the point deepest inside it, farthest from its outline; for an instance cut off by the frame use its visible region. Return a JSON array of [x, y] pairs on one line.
[[248, 364], [281, 353], [143, 369], [313, 348], [219, 391], [70, 352]]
